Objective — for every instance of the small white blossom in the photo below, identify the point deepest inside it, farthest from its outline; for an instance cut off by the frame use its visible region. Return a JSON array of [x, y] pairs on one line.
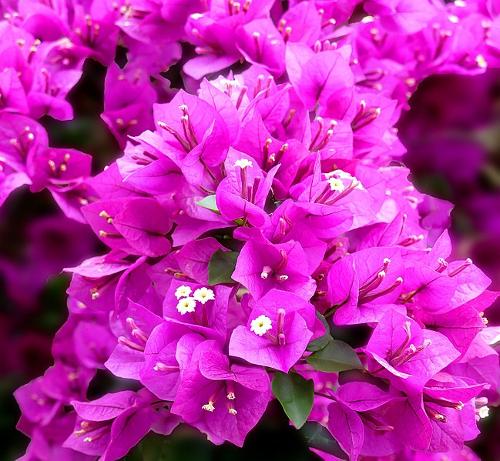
[[203, 295], [341, 174], [261, 325], [186, 305], [481, 62], [266, 271], [182, 292], [336, 184], [208, 406], [484, 412], [243, 163]]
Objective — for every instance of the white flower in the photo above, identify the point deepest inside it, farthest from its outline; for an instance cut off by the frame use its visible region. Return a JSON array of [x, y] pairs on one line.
[[341, 174], [266, 271], [182, 292], [203, 295], [483, 412], [336, 184], [186, 305], [481, 62], [261, 325], [209, 406], [243, 163]]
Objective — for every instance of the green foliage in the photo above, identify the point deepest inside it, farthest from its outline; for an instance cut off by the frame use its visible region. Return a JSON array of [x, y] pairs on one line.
[[296, 395], [335, 356], [318, 436], [221, 267]]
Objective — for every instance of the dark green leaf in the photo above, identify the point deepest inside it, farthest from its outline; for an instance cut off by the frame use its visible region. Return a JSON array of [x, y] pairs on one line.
[[336, 356], [319, 343], [221, 267], [296, 395], [209, 203], [318, 436]]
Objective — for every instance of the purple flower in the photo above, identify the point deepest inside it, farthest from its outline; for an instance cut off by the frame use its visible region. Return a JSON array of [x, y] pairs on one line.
[[402, 15], [213, 35], [411, 355], [20, 137], [301, 23], [95, 30], [168, 351], [196, 137], [222, 400], [439, 419], [261, 43], [365, 285], [133, 327], [443, 286], [12, 91], [94, 281], [201, 307], [111, 425], [277, 332], [94, 343], [136, 225], [347, 428], [128, 97], [321, 79], [262, 266], [46, 441]]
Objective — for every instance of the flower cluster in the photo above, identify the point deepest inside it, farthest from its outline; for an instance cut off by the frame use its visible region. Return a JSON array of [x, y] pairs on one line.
[[254, 216]]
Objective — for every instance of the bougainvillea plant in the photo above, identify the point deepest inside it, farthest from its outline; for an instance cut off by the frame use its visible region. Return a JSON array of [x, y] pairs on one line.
[[252, 216]]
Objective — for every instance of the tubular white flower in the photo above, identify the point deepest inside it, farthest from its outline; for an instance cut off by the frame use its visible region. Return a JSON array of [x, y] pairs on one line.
[[243, 163], [336, 184], [483, 412], [203, 295], [261, 325], [182, 292], [186, 305]]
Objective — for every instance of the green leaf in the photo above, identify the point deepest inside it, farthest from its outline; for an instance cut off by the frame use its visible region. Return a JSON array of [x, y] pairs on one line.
[[296, 395], [319, 437], [209, 203], [221, 267], [336, 356], [320, 343]]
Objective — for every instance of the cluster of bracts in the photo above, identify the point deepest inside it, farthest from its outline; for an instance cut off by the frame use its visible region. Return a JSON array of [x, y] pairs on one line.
[[254, 217]]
